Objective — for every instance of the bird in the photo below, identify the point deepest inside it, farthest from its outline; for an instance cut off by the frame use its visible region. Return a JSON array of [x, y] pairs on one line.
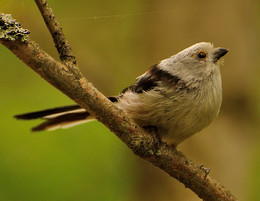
[[178, 96]]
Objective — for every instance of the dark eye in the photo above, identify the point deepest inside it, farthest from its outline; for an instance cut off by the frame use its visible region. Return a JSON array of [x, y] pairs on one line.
[[202, 55]]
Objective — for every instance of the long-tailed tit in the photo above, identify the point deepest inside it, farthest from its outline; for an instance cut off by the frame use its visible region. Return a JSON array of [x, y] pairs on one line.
[[179, 96]]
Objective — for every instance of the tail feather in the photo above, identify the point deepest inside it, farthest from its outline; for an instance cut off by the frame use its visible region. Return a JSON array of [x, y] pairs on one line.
[[46, 113], [60, 117], [64, 121]]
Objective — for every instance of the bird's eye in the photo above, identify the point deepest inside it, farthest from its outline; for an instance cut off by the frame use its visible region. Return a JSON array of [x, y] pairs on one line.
[[202, 54]]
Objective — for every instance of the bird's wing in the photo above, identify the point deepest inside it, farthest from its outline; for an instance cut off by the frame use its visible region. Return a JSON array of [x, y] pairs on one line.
[[152, 78]]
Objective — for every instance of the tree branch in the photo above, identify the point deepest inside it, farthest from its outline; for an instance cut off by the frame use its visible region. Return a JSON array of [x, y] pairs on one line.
[[72, 83], [61, 43]]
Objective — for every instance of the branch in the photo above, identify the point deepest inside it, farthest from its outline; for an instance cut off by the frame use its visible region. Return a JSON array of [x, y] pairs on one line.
[[72, 83], [61, 43]]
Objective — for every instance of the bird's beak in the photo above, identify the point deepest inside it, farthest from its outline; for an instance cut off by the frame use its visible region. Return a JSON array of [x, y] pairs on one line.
[[219, 52]]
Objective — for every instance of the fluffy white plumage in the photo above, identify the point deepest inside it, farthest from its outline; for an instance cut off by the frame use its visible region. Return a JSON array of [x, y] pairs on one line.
[[179, 110]]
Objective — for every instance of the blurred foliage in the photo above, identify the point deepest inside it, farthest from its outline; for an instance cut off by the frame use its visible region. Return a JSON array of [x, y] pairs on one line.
[[115, 42]]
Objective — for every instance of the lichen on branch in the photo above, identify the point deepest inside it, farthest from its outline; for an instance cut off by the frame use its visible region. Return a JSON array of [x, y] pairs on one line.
[[10, 29]]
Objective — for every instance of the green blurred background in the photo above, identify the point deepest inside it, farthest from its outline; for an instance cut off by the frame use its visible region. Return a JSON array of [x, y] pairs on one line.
[[115, 41]]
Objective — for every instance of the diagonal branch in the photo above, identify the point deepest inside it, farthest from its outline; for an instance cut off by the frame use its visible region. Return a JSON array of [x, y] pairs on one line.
[[74, 84]]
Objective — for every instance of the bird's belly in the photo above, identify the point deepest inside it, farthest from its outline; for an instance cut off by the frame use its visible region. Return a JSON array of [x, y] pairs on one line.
[[192, 118], [176, 118]]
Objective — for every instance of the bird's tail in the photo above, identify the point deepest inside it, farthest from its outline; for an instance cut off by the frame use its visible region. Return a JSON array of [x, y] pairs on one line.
[[61, 117]]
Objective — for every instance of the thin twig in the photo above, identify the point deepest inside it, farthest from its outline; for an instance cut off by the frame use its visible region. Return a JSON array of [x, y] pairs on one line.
[[61, 43], [88, 97]]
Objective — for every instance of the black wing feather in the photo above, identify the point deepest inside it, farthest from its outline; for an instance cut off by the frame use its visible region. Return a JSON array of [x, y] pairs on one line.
[[151, 79]]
